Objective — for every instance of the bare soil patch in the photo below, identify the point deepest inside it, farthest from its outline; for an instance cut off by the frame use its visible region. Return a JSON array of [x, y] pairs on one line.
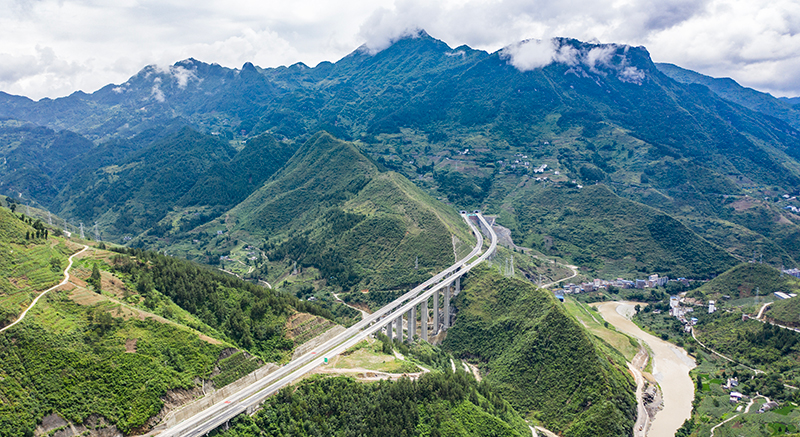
[[130, 345], [744, 203]]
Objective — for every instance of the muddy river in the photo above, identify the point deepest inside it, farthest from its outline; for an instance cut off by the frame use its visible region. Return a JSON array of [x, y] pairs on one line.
[[671, 366]]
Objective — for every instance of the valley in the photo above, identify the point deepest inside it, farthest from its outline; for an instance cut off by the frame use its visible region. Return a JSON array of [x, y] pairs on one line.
[[670, 369], [422, 240]]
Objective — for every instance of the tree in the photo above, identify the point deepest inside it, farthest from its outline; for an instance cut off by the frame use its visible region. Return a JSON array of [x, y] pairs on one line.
[[699, 382], [13, 207], [95, 278]]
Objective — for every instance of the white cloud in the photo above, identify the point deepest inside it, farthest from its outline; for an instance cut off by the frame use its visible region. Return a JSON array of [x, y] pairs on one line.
[[632, 75], [156, 92], [599, 56], [530, 55], [52, 48]]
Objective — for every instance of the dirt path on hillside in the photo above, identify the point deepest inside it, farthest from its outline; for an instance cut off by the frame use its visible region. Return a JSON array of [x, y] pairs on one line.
[[66, 279], [671, 366]]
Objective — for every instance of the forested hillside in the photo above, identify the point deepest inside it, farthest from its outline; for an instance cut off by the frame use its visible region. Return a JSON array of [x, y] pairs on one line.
[[747, 280], [129, 328], [595, 228], [606, 115], [437, 404], [332, 209], [540, 358], [730, 90]]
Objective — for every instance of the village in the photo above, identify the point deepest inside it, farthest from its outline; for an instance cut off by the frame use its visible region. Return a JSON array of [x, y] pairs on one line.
[[596, 284]]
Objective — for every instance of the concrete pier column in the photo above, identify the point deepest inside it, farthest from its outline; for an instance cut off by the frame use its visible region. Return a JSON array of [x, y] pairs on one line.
[[423, 319], [446, 308], [458, 285], [435, 313], [389, 330], [399, 328], [412, 324]]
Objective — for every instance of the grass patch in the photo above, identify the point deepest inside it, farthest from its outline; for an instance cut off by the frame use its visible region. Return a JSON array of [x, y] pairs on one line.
[[594, 322]]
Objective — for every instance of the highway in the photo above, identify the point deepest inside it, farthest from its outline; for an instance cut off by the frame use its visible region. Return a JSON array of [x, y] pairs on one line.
[[250, 397]]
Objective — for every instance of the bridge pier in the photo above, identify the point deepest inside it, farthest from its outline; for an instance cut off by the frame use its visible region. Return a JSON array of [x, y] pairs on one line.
[[435, 313], [412, 324], [389, 330], [423, 319], [446, 321], [458, 285], [399, 323]]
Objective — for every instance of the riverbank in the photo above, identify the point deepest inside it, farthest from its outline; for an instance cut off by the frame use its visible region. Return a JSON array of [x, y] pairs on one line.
[[671, 366]]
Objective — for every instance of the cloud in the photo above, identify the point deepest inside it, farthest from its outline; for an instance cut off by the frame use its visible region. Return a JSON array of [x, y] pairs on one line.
[[181, 75], [632, 75], [530, 55], [756, 44], [156, 92], [93, 43], [599, 56]]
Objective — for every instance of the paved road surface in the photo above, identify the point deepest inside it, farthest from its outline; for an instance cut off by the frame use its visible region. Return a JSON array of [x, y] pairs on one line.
[[250, 397]]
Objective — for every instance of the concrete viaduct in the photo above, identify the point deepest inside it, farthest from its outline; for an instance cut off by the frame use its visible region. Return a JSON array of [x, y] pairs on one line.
[[389, 318]]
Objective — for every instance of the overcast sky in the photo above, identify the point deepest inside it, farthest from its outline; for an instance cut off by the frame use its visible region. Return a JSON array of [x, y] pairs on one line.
[[51, 48]]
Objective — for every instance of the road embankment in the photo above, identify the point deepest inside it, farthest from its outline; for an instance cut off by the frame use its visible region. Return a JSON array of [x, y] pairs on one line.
[[671, 366]]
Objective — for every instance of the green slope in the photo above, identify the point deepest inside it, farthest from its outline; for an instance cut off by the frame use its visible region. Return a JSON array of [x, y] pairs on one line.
[[184, 169], [540, 358], [728, 89], [112, 348], [786, 312], [27, 265], [333, 209], [437, 404], [595, 228], [417, 105], [745, 280]]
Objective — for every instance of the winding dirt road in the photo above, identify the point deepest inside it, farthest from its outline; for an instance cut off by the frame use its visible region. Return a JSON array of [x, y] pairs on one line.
[[66, 279]]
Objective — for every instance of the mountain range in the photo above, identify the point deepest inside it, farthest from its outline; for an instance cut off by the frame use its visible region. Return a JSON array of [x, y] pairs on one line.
[[345, 180], [465, 125]]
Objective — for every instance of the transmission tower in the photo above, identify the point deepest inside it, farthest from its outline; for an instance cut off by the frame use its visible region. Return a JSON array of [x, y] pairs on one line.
[[49, 218], [83, 237], [416, 263], [97, 233]]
